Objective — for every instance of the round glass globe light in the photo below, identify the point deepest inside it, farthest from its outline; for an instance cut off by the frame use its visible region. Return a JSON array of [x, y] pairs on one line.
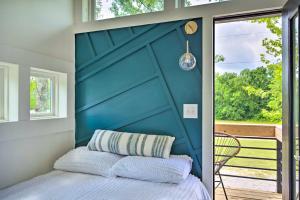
[[187, 61]]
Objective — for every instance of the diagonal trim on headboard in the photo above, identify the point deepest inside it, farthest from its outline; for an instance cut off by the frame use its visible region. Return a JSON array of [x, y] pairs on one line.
[[129, 79]]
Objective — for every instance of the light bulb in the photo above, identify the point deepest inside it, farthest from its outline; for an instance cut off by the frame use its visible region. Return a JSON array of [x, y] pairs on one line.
[[187, 61]]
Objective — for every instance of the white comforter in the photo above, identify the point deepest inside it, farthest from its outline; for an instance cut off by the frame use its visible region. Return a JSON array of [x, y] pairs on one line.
[[59, 185]]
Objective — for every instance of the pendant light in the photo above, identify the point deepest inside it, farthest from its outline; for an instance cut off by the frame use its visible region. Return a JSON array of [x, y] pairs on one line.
[[187, 61]]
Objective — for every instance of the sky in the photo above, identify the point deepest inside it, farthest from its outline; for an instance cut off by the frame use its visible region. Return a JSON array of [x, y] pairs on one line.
[[241, 44]]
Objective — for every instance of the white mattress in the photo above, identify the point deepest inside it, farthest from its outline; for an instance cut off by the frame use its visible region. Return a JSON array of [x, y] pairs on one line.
[[59, 185]]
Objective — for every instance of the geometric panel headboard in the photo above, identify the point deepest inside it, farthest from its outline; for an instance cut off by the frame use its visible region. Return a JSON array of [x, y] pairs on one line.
[[128, 79]]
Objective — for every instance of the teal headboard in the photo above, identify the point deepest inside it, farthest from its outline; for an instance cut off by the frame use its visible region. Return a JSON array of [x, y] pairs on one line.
[[129, 79]]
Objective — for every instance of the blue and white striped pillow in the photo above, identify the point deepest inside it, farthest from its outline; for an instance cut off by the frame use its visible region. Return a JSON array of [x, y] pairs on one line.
[[132, 144]]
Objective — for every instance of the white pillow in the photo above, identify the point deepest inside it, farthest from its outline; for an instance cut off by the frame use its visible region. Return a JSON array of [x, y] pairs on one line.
[[172, 170], [85, 161]]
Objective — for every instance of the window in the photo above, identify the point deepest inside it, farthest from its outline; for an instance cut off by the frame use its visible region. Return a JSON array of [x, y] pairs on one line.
[[85, 6], [42, 94], [9, 85], [3, 92], [105, 9], [91, 10], [47, 94], [200, 2]]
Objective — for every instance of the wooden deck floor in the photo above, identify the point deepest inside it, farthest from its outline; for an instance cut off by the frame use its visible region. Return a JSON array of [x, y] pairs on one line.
[[241, 194]]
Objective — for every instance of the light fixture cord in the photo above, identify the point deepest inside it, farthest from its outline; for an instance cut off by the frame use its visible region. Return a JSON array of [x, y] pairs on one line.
[[187, 46]]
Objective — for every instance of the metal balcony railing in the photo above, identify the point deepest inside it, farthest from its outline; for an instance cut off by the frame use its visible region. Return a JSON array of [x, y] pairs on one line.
[[278, 160]]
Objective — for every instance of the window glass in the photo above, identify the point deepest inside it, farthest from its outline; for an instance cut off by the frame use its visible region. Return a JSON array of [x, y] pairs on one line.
[[116, 8], [200, 2], [41, 95], [85, 10]]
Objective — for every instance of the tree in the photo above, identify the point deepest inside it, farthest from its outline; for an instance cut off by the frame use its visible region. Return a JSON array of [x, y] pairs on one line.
[[40, 94], [253, 94], [219, 58], [98, 7], [273, 47], [237, 96], [273, 112]]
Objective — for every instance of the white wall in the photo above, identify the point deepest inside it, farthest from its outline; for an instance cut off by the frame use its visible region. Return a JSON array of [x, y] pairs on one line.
[[35, 33], [208, 13]]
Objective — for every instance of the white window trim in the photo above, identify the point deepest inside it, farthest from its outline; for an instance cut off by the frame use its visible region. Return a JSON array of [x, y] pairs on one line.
[[90, 15], [11, 92], [38, 73], [4, 116], [55, 101]]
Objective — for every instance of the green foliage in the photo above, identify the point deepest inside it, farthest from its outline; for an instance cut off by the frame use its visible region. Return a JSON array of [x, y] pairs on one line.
[[273, 112], [254, 94], [273, 47], [219, 58], [132, 7], [33, 86], [241, 96], [40, 94], [98, 6], [188, 3]]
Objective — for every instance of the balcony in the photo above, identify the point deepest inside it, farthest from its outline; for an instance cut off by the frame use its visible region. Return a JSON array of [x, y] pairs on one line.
[[242, 194], [255, 172]]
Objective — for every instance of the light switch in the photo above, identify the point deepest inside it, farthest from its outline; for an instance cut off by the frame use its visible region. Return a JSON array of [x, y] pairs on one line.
[[190, 111]]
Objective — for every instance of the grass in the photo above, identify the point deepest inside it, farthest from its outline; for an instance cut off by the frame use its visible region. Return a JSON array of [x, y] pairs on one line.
[[254, 162], [246, 122]]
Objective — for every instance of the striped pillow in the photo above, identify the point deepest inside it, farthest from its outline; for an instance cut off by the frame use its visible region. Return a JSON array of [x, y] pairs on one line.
[[131, 143]]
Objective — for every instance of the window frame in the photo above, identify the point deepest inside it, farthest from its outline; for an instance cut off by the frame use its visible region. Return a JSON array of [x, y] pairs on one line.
[[92, 4], [53, 76], [184, 3], [85, 10], [4, 91], [90, 16]]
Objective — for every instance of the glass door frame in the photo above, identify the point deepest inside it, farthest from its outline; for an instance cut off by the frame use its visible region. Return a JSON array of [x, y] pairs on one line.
[[294, 121], [290, 10], [230, 18]]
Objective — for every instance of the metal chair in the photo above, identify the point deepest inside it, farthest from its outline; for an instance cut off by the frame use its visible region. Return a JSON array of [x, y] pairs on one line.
[[226, 147]]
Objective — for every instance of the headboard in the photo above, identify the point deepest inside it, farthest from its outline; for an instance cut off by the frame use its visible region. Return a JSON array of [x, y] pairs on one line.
[[128, 79]]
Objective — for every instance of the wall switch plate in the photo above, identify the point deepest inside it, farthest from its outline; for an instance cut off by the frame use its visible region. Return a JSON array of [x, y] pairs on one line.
[[190, 111]]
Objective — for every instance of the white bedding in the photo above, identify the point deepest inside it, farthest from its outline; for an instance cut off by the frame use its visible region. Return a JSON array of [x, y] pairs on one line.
[[59, 185]]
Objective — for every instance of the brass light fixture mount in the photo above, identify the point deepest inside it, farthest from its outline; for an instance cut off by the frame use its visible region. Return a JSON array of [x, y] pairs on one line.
[[190, 27], [188, 61]]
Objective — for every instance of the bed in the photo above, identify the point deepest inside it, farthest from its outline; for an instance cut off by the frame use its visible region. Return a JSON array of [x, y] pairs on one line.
[[106, 170], [58, 185]]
